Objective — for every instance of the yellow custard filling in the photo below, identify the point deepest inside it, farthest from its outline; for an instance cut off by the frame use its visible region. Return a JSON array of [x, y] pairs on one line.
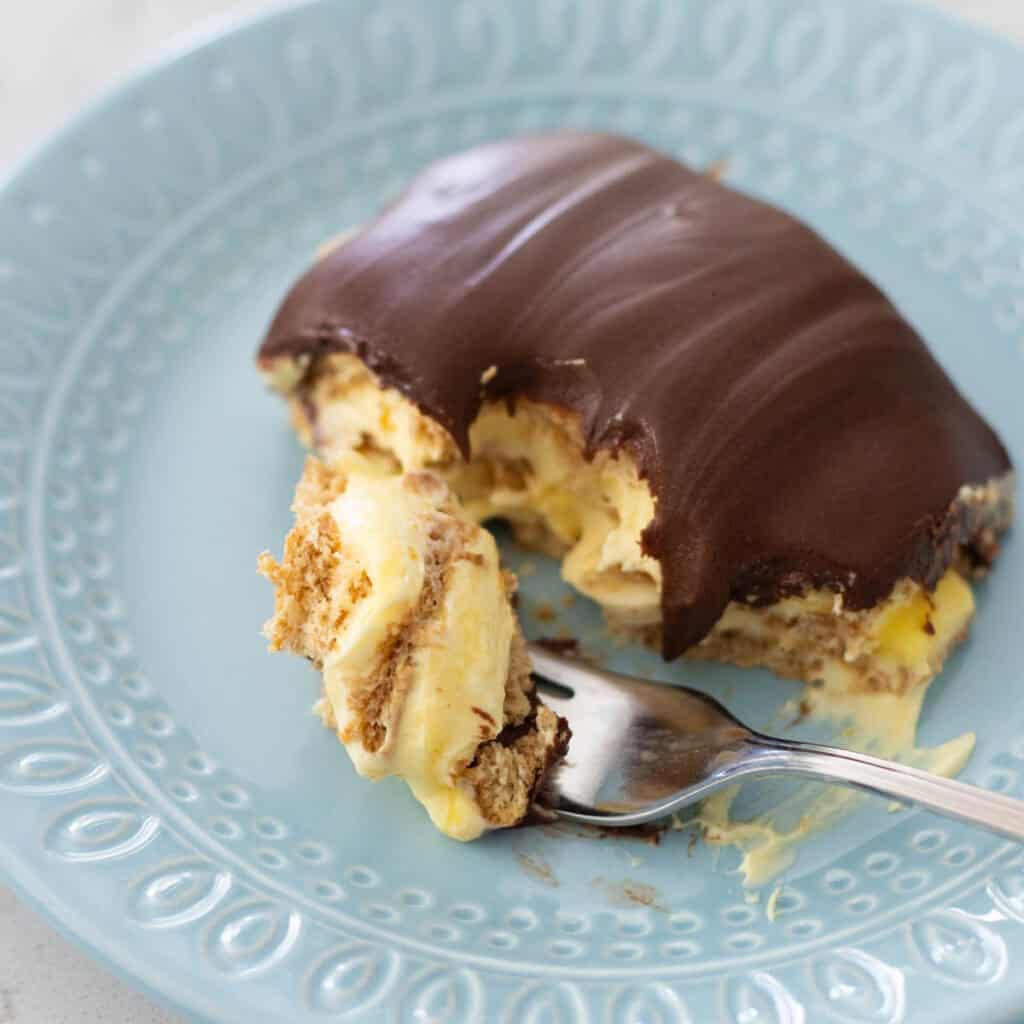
[[866, 671]]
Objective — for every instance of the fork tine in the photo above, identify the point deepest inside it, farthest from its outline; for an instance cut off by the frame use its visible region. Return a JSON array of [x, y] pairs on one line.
[[554, 696], [574, 675]]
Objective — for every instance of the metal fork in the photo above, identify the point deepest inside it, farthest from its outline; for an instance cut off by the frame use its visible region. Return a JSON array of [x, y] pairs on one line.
[[641, 750]]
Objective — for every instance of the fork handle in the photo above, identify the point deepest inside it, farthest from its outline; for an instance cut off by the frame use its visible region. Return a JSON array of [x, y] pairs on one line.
[[994, 811]]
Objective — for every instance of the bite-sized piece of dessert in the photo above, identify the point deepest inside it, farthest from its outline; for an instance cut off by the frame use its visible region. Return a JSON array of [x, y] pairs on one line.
[[742, 449], [399, 600]]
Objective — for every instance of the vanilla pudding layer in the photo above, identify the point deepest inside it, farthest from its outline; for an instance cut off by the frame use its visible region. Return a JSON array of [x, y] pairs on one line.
[[528, 466], [399, 599]]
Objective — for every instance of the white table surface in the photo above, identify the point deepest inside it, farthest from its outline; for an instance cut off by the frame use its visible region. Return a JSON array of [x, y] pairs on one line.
[[53, 55]]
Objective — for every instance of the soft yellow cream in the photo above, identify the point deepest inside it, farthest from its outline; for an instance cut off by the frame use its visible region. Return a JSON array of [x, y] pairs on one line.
[[912, 630], [595, 511], [353, 412], [460, 659], [880, 722], [768, 850], [529, 468]]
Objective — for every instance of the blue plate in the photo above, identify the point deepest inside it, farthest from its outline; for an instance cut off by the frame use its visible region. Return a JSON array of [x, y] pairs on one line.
[[166, 794]]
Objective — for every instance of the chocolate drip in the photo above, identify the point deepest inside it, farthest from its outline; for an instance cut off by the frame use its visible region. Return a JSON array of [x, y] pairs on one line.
[[792, 426]]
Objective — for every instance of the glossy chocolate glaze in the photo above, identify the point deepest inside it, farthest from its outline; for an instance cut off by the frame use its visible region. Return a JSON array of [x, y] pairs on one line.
[[793, 427]]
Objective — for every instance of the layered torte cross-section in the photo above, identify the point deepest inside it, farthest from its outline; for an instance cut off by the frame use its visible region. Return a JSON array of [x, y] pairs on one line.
[[398, 598], [730, 436], [734, 440]]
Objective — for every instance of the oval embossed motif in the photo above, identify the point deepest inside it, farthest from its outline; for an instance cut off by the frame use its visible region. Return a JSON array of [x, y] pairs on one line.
[[441, 995], [888, 73], [17, 630], [759, 998], [1006, 890], [48, 767], [808, 46], [566, 27], [182, 147], [251, 936], [957, 98], [653, 1003], [10, 557], [350, 978], [859, 988], [732, 37], [325, 79], [546, 1003], [177, 892], [11, 488], [651, 32], [89, 251], [487, 30], [142, 201], [959, 949], [257, 112], [397, 38], [27, 698], [97, 830]]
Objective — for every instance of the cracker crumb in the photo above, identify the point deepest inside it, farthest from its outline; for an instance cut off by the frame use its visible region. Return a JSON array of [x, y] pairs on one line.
[[538, 868], [544, 612], [626, 894], [567, 646], [317, 584], [326, 248], [717, 169]]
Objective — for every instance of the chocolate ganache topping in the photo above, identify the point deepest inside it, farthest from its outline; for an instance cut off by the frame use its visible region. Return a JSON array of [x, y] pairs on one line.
[[792, 426]]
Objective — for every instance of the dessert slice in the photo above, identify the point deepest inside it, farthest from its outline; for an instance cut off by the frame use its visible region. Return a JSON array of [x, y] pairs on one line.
[[733, 439], [398, 599], [529, 467]]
